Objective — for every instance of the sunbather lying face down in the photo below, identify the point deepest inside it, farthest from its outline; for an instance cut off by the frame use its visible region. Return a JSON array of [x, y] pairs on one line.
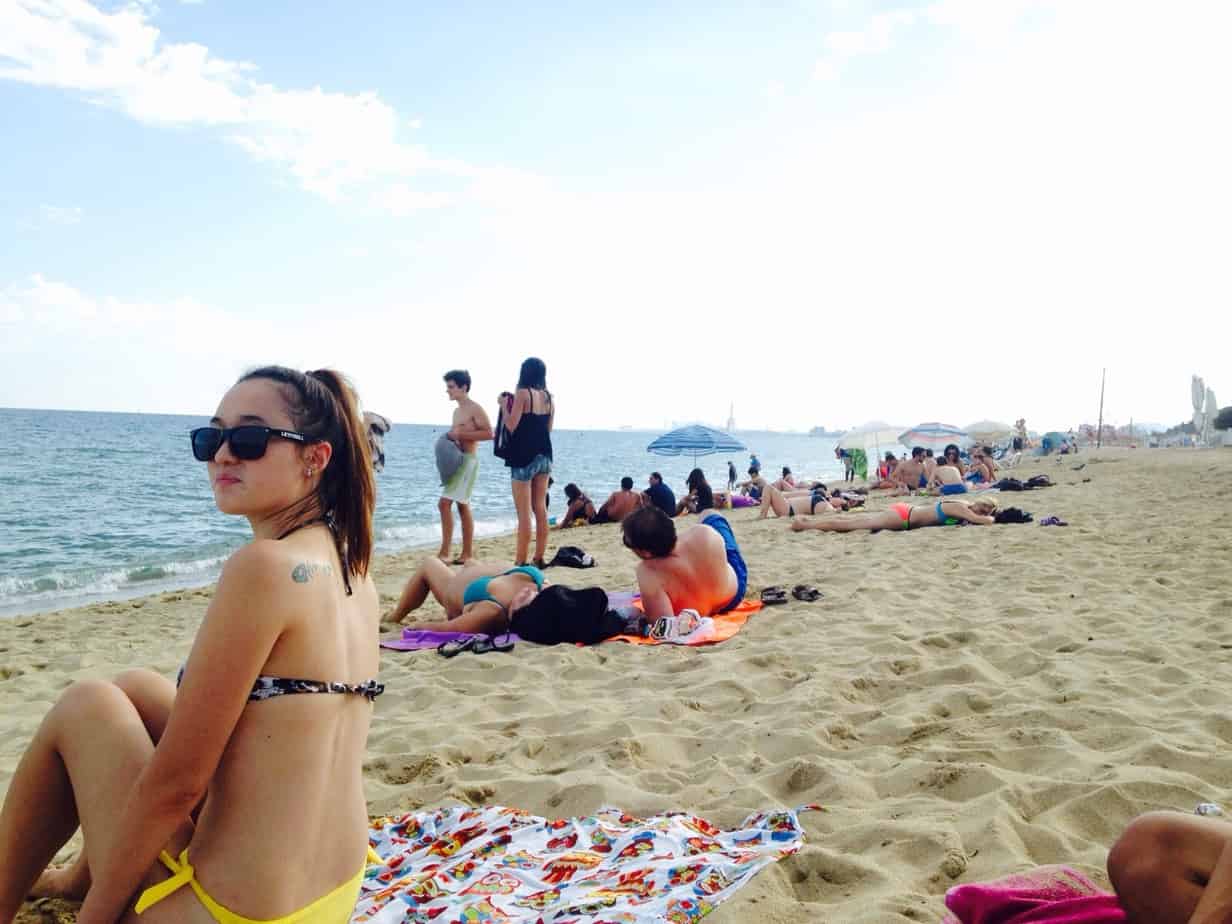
[[702, 569], [905, 516], [479, 597]]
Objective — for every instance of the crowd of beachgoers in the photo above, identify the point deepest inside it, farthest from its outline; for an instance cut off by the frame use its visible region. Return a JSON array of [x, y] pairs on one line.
[[238, 789]]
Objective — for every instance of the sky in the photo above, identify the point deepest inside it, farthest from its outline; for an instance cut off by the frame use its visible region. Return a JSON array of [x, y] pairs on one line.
[[816, 212]]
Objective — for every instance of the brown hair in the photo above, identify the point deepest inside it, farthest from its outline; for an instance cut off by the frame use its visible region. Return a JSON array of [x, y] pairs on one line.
[[649, 529], [323, 406]]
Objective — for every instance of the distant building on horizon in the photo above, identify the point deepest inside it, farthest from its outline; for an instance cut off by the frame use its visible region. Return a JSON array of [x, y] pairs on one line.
[[731, 417]]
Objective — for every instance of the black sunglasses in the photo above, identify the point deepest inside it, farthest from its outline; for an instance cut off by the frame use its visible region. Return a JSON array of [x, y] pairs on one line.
[[247, 442]]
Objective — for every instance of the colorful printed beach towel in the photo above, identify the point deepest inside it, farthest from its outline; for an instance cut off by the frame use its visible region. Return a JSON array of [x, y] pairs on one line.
[[497, 864], [1047, 895]]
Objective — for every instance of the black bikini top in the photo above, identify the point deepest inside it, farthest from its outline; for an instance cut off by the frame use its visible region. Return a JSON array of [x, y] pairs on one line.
[[267, 687]]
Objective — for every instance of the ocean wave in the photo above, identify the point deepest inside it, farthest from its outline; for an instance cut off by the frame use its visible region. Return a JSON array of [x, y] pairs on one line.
[[406, 536], [57, 588]]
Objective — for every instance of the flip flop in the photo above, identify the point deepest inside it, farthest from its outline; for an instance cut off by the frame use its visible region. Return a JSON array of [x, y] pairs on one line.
[[486, 643], [772, 596], [455, 647], [459, 561], [806, 593], [1052, 521]]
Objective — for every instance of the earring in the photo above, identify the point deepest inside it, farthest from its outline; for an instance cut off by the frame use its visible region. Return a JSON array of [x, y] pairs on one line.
[[308, 472]]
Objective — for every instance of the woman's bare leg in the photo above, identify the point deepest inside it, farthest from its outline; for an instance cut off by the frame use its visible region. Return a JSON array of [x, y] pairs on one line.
[[1161, 864], [78, 769], [539, 505], [152, 695], [772, 499], [885, 519], [432, 576], [521, 503]]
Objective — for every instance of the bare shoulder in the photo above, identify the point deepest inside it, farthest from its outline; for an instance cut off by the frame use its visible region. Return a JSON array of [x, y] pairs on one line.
[[257, 563]]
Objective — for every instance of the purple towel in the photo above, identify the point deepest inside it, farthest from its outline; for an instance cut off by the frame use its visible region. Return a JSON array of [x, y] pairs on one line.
[[421, 639]]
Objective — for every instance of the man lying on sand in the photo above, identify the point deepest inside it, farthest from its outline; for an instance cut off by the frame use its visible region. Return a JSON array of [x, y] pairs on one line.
[[701, 570]]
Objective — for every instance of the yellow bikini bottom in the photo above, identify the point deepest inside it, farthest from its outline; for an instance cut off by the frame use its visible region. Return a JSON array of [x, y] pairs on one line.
[[334, 908]]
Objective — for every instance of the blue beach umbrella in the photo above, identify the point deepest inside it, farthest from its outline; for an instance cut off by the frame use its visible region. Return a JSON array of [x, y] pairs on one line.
[[694, 440], [934, 436]]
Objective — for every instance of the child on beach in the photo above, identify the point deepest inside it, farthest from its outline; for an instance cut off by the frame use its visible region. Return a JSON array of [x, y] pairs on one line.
[[204, 780]]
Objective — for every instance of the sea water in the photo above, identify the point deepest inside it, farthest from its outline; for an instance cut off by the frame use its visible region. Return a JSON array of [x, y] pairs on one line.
[[98, 506]]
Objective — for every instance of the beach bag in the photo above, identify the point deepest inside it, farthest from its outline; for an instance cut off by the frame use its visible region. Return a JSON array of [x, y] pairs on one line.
[[561, 614], [449, 457], [502, 439], [570, 556], [1012, 515]]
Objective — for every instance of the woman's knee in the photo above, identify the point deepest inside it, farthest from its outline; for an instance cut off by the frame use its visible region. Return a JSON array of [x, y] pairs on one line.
[[1144, 852], [90, 702]]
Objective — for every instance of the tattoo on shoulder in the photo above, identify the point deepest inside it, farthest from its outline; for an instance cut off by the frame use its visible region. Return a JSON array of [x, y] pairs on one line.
[[306, 571]]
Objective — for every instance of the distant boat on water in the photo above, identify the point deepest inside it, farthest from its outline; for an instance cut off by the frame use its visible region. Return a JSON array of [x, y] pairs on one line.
[[822, 431]]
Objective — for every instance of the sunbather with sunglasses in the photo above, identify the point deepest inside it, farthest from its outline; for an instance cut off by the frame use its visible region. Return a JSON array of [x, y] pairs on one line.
[[701, 570], [905, 516], [479, 597]]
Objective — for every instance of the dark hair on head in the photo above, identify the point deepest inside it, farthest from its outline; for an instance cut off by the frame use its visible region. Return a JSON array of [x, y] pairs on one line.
[[928, 453], [459, 377], [571, 491], [950, 447], [649, 529], [754, 471], [323, 406], [889, 455], [917, 451], [656, 476], [626, 483], [696, 479], [534, 374], [786, 471]]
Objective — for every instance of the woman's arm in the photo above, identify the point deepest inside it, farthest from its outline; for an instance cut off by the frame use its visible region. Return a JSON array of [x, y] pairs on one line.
[[961, 511], [521, 404], [243, 622]]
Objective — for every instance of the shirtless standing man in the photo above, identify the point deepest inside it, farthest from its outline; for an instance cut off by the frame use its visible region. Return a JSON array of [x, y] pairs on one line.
[[470, 426], [701, 570]]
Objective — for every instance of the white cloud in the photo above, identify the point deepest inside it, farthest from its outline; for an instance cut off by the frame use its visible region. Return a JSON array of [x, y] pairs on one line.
[[332, 143]]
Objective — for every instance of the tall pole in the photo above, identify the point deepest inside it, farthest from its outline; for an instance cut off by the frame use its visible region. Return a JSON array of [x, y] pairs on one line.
[[1099, 434]]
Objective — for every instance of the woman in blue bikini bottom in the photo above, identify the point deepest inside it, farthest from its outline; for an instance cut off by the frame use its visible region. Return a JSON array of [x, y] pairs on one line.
[[905, 516], [478, 597]]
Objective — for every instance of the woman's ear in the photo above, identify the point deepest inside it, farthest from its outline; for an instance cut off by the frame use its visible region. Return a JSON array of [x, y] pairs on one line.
[[317, 455]]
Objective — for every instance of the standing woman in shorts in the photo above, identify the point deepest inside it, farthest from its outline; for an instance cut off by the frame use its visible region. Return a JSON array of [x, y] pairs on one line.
[[529, 422]]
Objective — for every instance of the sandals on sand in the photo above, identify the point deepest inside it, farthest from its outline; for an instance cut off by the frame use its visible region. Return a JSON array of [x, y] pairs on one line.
[[479, 644], [1052, 521], [772, 596], [806, 593]]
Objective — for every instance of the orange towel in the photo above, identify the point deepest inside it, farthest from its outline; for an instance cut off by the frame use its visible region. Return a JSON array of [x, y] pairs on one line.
[[725, 625]]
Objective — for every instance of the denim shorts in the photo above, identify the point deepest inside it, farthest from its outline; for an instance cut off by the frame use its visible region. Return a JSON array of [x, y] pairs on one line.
[[539, 465]]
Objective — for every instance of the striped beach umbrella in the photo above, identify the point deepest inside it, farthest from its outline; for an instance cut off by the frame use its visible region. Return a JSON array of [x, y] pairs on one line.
[[934, 435], [694, 440]]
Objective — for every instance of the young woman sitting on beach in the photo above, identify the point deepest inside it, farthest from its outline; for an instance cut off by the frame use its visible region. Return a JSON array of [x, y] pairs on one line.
[[580, 507], [700, 496], [905, 516], [785, 482], [208, 802]]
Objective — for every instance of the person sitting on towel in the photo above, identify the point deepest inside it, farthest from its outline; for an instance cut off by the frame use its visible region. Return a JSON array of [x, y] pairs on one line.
[[702, 569], [580, 507]]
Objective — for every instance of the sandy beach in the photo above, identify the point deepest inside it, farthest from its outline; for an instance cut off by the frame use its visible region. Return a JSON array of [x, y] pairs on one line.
[[965, 703]]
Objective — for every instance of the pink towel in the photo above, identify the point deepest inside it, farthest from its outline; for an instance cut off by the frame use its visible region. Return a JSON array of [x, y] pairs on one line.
[[1047, 895]]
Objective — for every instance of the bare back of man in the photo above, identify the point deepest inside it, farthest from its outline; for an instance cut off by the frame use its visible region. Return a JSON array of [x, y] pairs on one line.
[[620, 504], [696, 575]]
